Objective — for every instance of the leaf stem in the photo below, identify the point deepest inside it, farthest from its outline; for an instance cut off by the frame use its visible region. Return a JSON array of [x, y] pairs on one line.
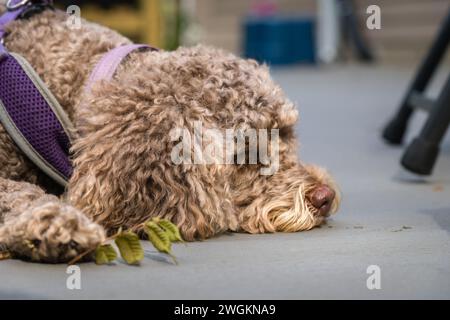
[[109, 239], [81, 256]]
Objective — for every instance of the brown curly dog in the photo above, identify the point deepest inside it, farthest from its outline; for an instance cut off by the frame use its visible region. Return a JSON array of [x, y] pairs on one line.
[[124, 173]]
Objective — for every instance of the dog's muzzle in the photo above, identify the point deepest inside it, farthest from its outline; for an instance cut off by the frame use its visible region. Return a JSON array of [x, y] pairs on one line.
[[322, 199]]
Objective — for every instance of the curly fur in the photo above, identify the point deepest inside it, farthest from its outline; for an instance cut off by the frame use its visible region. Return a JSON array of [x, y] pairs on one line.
[[123, 172]]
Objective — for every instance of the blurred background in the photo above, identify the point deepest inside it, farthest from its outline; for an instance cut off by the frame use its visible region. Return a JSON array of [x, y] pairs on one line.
[[278, 31]]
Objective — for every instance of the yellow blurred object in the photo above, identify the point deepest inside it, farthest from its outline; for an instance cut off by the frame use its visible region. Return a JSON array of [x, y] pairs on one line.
[[144, 24]]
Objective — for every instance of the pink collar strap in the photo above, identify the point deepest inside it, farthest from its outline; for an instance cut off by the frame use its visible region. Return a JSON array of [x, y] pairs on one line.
[[109, 63]]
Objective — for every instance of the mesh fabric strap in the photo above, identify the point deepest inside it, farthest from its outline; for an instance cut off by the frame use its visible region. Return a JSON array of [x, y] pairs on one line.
[[27, 111]]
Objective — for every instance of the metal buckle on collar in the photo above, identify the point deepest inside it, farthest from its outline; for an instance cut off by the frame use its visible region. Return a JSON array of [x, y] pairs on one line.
[[13, 5]]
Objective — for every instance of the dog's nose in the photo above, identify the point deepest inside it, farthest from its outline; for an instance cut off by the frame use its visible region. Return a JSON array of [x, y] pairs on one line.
[[322, 198]]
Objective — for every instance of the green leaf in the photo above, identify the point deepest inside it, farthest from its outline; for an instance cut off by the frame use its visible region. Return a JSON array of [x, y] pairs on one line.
[[158, 237], [130, 247], [171, 229], [105, 254]]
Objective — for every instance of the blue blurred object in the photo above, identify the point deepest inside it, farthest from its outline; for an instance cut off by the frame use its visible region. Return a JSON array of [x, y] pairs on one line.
[[280, 40]]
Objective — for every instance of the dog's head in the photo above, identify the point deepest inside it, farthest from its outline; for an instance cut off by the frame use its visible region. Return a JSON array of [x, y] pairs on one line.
[[124, 171]]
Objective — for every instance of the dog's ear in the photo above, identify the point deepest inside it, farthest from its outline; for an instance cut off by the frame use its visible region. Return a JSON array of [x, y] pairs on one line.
[[124, 172], [121, 181], [113, 169]]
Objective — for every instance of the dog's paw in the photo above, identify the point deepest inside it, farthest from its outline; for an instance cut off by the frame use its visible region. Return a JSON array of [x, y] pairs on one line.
[[50, 232]]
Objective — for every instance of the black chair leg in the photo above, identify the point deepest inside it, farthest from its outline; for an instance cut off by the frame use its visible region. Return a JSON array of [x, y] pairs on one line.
[[351, 30], [421, 155], [395, 130]]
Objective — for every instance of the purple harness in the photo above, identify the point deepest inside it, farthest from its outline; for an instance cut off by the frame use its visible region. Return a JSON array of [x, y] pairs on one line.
[[30, 113]]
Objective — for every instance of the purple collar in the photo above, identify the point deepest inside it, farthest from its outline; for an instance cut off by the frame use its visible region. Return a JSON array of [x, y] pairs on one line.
[[31, 114]]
